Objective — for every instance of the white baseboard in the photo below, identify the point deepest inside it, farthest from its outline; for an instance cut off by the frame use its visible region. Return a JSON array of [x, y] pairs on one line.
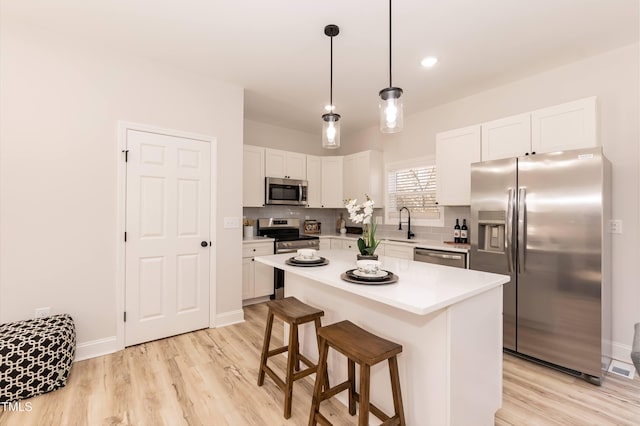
[[96, 348], [621, 352], [229, 318]]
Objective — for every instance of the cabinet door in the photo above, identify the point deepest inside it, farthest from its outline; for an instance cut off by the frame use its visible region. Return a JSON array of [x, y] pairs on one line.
[[275, 163], [247, 278], [332, 182], [325, 244], [563, 127], [350, 245], [402, 252], [506, 137], [263, 279], [455, 151], [314, 181], [296, 166], [336, 244], [253, 176], [363, 175]]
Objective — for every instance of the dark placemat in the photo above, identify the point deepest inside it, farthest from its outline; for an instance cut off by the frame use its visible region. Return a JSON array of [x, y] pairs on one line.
[[355, 279], [307, 264]]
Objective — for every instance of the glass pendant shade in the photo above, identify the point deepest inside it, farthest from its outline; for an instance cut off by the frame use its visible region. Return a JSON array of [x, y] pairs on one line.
[[331, 131], [390, 106]]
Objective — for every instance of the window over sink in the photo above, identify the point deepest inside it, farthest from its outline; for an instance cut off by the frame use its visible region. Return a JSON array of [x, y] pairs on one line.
[[412, 184]]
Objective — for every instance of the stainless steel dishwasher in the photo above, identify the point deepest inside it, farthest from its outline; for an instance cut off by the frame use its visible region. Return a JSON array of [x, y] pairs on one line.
[[440, 257]]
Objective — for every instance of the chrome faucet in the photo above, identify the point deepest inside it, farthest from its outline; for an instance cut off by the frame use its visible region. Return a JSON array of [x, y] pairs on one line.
[[408, 222]]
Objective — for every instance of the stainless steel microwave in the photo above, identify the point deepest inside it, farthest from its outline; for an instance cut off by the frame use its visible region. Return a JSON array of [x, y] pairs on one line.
[[285, 191]]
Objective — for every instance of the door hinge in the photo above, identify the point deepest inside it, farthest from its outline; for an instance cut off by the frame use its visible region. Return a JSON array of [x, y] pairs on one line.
[[125, 316], [125, 236], [126, 155]]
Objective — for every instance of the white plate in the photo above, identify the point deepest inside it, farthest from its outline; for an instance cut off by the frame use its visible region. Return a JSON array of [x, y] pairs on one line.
[[302, 259], [378, 274]]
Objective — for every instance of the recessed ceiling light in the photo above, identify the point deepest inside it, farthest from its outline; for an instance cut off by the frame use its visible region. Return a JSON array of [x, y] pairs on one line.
[[429, 61], [329, 107]]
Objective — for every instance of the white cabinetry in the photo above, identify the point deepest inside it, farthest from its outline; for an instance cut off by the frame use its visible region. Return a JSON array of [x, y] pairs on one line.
[[455, 151], [394, 249], [363, 175], [567, 126], [506, 137], [253, 176], [257, 278], [561, 127], [285, 164], [332, 182], [325, 244], [314, 181], [344, 244]]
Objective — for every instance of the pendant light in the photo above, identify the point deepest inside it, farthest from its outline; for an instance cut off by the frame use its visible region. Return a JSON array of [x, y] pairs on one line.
[[331, 121], [390, 104]]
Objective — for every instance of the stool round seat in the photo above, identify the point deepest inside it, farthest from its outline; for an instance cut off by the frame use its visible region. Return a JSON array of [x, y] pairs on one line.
[[365, 349], [293, 312]]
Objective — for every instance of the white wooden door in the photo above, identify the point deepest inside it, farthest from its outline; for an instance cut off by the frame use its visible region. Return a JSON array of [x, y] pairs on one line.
[[314, 181], [167, 225], [332, 182], [253, 176], [296, 165]]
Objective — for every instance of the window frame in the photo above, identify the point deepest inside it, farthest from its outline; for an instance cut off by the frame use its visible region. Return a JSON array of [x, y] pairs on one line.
[[408, 164]]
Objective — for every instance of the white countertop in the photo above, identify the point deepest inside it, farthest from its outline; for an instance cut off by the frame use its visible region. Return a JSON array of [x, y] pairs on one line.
[[416, 242], [256, 239], [422, 288]]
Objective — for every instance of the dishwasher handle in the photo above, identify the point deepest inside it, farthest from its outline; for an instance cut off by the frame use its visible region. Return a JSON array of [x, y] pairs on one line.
[[429, 253]]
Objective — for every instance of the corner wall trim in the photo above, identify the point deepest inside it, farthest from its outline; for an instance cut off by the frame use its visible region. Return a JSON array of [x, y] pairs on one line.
[[229, 318], [96, 348]]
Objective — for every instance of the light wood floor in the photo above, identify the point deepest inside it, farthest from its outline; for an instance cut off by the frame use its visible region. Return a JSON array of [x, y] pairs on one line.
[[208, 377]]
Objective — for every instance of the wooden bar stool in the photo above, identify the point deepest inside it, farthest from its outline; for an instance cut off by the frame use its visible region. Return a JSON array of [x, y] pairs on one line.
[[366, 349], [293, 312]]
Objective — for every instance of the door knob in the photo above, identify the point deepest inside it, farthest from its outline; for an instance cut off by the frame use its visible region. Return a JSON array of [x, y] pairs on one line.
[[204, 244]]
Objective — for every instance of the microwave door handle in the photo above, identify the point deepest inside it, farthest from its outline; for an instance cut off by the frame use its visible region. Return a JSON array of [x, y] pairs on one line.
[[522, 229], [300, 193], [508, 241]]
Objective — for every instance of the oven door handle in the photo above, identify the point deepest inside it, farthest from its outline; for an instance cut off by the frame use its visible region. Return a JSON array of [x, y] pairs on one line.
[[282, 251]]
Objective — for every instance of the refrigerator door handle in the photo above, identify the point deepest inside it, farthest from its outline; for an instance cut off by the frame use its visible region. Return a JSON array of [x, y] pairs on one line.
[[522, 229], [508, 241]]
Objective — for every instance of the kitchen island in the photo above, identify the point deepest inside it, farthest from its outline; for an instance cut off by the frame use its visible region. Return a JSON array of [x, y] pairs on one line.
[[448, 320]]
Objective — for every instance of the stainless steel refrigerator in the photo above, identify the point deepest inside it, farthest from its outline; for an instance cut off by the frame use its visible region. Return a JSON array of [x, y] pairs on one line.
[[542, 219]]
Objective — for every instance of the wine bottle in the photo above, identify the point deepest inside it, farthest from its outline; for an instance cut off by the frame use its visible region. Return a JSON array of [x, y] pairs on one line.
[[464, 231], [456, 232]]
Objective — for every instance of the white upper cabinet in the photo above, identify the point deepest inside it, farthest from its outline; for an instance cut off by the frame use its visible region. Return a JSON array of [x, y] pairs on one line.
[[285, 164], [332, 182], [558, 128], [363, 175], [506, 137], [253, 176], [455, 151], [563, 127], [314, 181]]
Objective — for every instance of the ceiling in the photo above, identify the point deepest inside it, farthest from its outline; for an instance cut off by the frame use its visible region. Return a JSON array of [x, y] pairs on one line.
[[278, 52]]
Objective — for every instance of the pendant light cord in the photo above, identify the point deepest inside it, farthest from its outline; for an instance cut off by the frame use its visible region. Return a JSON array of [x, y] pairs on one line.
[[390, 84], [331, 78]]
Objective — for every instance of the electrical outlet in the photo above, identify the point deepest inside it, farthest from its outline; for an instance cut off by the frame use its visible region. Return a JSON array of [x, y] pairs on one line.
[[307, 217], [231, 222], [42, 312], [615, 226]]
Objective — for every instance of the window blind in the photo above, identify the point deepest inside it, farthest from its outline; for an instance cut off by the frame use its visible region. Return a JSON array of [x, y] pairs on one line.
[[414, 188]]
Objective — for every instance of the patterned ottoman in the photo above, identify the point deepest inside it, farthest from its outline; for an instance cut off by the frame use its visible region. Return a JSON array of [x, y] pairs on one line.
[[35, 356]]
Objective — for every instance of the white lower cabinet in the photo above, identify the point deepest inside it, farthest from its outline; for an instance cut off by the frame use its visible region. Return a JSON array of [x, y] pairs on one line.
[[257, 278], [325, 244], [399, 250], [340, 244]]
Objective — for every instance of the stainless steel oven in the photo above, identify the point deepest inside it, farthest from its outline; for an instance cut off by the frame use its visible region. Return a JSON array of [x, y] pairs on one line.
[[285, 191], [288, 239]]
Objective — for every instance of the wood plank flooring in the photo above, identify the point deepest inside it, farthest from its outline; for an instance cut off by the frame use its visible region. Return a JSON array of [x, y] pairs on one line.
[[208, 377]]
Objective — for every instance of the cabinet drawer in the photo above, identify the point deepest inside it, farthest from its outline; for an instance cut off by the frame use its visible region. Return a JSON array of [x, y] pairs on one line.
[[250, 250]]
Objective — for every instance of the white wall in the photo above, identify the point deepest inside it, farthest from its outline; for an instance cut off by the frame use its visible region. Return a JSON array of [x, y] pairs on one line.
[[276, 137], [613, 78], [60, 101]]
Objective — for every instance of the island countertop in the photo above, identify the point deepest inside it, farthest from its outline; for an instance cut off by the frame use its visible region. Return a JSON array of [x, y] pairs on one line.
[[422, 288]]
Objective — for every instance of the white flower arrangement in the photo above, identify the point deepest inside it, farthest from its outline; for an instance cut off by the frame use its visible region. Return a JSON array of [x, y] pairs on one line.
[[362, 213]]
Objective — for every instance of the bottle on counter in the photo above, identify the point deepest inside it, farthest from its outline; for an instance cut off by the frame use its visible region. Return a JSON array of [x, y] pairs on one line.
[[456, 232], [464, 232]]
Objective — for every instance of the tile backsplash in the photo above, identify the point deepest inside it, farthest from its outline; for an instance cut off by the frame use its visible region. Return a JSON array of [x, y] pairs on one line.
[[329, 217]]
